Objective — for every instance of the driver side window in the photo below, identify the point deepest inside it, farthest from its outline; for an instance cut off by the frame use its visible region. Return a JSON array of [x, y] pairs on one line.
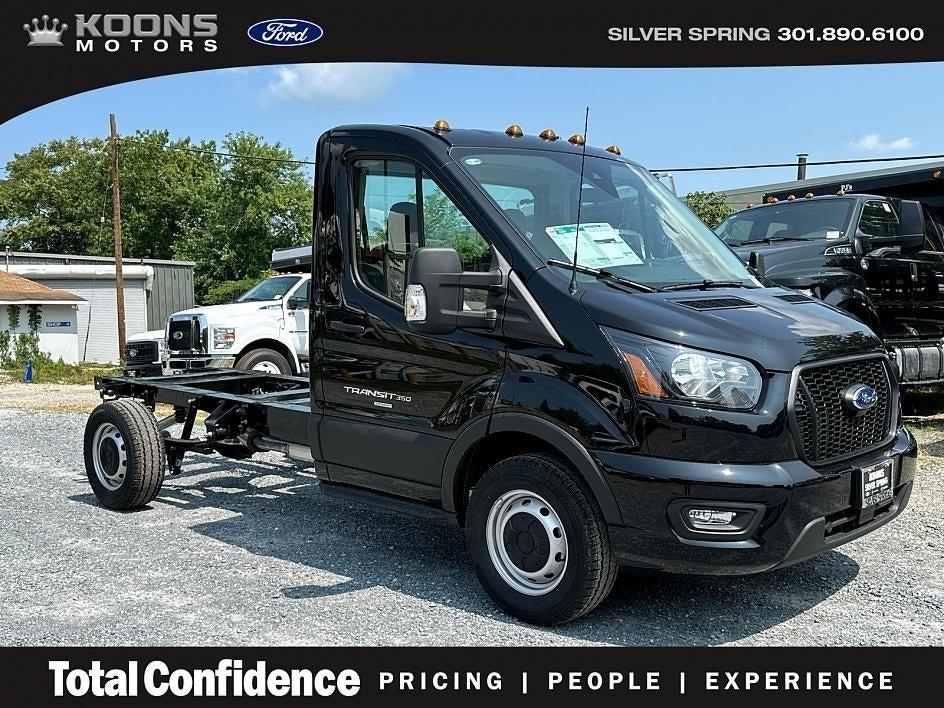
[[399, 209], [879, 220]]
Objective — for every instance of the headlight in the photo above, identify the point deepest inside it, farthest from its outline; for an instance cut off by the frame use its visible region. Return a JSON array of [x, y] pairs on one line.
[[223, 337], [662, 370]]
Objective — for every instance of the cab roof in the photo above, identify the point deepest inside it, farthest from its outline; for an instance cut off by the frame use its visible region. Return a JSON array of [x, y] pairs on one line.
[[439, 140]]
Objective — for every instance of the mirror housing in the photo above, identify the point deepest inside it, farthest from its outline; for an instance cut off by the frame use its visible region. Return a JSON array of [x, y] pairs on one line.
[[295, 303], [911, 239], [433, 302]]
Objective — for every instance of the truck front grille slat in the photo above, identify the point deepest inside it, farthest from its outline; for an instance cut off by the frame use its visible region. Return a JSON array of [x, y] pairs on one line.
[[826, 428], [144, 353]]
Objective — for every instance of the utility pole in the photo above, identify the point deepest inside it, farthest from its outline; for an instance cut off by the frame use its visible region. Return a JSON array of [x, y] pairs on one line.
[[116, 225]]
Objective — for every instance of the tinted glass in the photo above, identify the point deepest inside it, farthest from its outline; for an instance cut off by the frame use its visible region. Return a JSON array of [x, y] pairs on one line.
[[270, 289], [630, 223], [879, 220], [794, 220], [391, 222]]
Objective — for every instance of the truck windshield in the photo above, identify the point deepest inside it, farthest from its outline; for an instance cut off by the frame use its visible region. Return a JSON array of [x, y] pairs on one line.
[[790, 221], [270, 289], [630, 225]]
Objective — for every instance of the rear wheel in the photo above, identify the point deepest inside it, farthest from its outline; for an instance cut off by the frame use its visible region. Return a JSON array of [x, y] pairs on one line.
[[124, 454], [267, 361], [538, 540]]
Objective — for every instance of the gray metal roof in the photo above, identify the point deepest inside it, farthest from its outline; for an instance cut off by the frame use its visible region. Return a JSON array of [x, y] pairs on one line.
[[852, 177], [99, 259]]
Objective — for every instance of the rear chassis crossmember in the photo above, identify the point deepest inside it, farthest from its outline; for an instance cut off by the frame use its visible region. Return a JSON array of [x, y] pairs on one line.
[[248, 411]]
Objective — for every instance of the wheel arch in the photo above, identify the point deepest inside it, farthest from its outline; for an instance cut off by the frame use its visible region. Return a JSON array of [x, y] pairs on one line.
[[486, 441], [275, 345]]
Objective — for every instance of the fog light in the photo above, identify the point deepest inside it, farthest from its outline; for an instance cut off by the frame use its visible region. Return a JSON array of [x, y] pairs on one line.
[[710, 517]]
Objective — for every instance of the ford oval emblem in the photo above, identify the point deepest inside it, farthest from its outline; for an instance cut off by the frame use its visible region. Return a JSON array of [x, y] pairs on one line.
[[285, 32], [860, 397], [178, 335]]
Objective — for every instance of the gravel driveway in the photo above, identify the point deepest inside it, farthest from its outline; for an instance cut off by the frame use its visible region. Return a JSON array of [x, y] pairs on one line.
[[252, 553]]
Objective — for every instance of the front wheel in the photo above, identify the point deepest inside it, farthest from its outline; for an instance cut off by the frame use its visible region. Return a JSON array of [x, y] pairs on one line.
[[267, 361], [538, 541], [124, 454]]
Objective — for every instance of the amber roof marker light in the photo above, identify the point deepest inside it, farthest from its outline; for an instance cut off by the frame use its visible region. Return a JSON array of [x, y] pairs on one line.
[[514, 131], [576, 139], [548, 134], [442, 126], [614, 149]]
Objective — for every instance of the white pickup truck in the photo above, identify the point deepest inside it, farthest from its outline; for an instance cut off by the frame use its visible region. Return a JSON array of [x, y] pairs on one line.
[[266, 329]]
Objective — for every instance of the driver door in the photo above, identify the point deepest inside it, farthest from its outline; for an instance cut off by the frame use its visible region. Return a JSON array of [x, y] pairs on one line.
[[296, 318], [889, 275]]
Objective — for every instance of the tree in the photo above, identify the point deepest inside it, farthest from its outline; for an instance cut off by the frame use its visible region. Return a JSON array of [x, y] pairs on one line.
[[710, 207], [224, 213], [259, 205]]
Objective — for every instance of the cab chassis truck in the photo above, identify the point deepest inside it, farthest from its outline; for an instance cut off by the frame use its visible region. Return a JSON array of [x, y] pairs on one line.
[[655, 404]]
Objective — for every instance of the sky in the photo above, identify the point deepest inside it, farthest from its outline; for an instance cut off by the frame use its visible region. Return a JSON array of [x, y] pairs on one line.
[[662, 118]]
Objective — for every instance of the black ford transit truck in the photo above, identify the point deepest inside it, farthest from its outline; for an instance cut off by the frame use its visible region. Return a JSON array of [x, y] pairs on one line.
[[654, 404]]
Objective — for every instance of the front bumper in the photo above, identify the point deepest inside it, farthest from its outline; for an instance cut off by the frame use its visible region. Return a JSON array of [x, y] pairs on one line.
[[805, 511], [192, 362]]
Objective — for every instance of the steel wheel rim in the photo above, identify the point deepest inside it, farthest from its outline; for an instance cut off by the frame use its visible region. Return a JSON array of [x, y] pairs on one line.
[[266, 367], [109, 456], [506, 537]]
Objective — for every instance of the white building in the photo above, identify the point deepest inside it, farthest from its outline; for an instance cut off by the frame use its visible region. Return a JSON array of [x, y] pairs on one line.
[[57, 310], [97, 316]]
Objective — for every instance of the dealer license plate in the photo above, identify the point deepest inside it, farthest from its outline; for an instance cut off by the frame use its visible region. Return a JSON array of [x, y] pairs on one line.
[[878, 483]]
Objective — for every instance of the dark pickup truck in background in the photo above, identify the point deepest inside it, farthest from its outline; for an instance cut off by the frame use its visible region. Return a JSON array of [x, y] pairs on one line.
[[878, 258]]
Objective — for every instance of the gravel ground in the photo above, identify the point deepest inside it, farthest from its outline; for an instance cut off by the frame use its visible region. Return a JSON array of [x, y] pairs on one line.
[[251, 553]]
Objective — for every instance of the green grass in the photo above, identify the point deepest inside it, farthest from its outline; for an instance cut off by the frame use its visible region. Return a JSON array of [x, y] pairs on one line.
[[59, 372]]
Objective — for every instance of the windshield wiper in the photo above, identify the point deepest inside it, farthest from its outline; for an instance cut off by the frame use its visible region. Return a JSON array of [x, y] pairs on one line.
[[771, 239], [599, 273], [705, 285]]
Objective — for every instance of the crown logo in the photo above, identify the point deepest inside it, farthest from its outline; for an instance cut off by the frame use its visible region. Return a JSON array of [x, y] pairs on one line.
[[49, 35]]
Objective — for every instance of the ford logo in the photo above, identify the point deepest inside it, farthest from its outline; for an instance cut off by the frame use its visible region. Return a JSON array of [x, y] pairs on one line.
[[860, 397], [178, 335], [285, 33]]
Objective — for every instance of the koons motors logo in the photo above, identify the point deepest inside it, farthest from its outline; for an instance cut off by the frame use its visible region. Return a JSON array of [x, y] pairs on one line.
[[285, 32]]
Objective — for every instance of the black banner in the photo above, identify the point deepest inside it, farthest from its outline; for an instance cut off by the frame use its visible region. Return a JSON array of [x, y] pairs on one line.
[[83, 45], [729, 677]]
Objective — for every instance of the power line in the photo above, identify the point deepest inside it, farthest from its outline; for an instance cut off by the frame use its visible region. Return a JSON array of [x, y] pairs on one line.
[[218, 153], [796, 164]]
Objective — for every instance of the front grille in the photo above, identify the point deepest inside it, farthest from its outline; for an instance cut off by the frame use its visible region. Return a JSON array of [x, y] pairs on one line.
[[141, 353], [714, 303], [185, 334], [827, 429]]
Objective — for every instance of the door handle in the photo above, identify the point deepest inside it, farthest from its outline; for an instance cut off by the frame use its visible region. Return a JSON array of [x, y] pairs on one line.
[[346, 327]]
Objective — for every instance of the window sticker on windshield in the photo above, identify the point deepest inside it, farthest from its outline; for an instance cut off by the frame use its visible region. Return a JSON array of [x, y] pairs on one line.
[[599, 245], [832, 233]]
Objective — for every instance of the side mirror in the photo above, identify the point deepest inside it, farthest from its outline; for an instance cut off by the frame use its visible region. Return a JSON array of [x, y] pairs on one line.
[[912, 227], [433, 302], [296, 303]]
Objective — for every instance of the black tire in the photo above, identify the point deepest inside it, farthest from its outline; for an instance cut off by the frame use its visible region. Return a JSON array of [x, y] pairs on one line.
[[133, 437], [590, 570], [248, 361]]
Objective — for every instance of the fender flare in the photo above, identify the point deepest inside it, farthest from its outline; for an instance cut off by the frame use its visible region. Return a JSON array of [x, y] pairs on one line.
[[841, 297], [561, 440]]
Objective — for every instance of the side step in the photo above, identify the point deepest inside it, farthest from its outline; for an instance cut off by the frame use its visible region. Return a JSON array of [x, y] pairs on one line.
[[384, 502]]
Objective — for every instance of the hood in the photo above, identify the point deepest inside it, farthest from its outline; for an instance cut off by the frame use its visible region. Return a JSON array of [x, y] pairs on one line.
[[233, 311], [757, 324], [797, 258], [150, 336]]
